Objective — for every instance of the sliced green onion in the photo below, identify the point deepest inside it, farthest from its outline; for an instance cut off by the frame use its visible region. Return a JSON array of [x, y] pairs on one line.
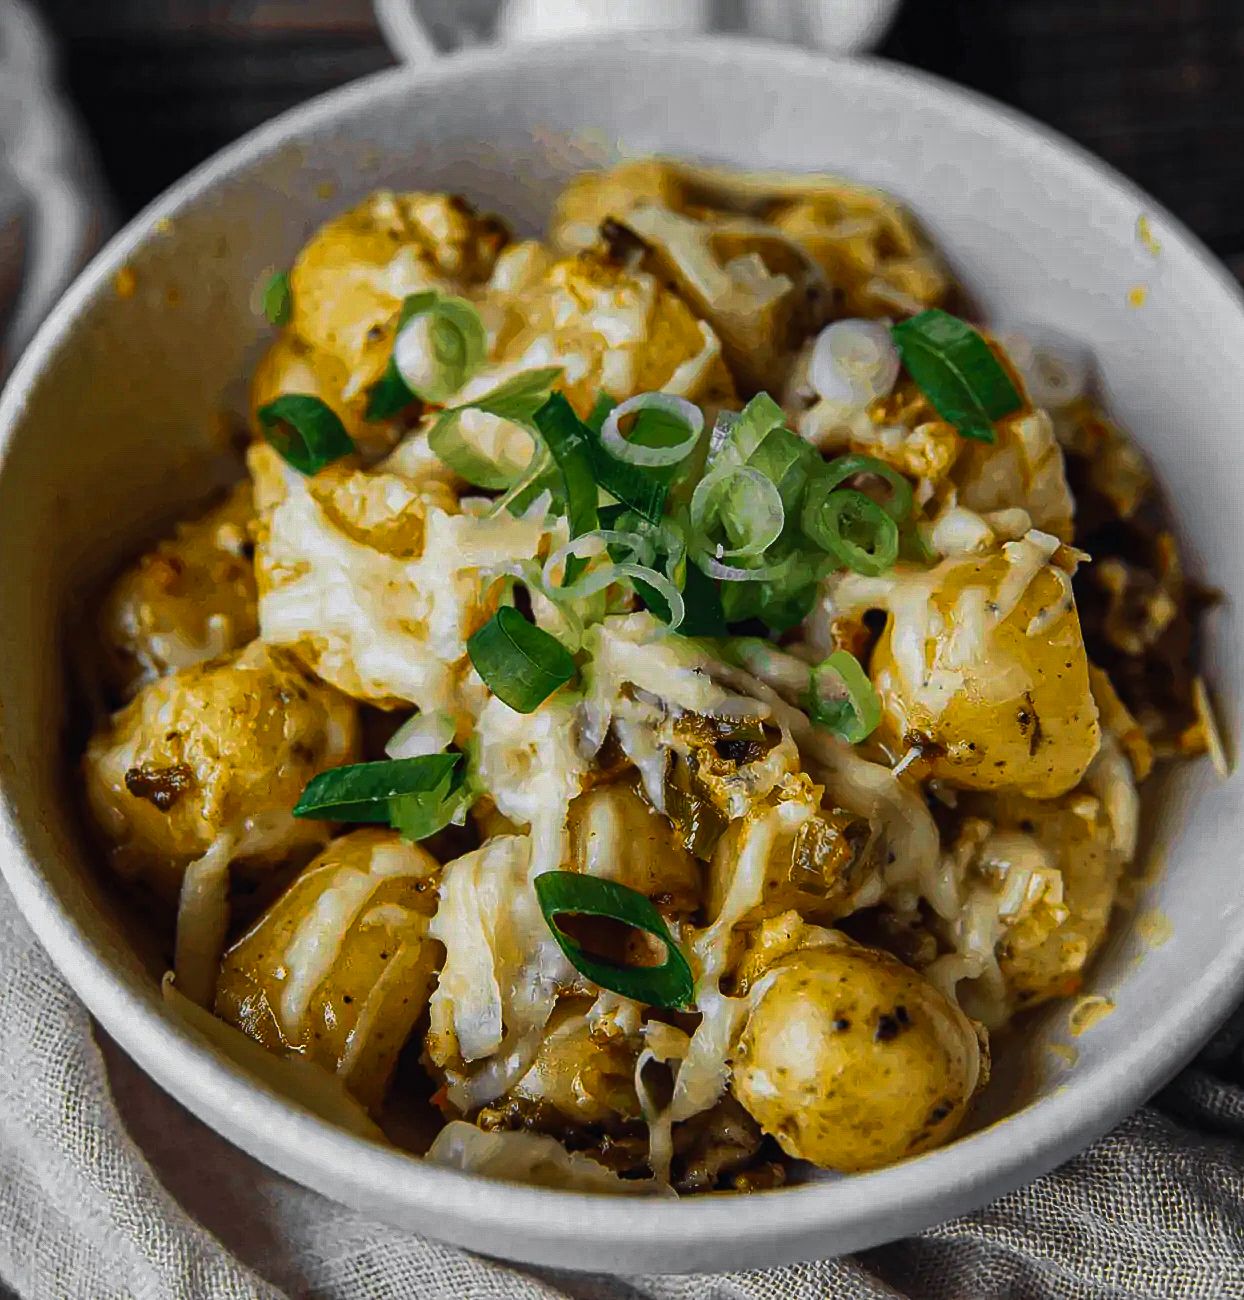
[[278, 301], [305, 431], [569, 441], [516, 400], [680, 415], [416, 816], [742, 503], [361, 791], [703, 614], [842, 699], [788, 461], [439, 343], [599, 412], [898, 503], [957, 371], [568, 893], [851, 527], [599, 542], [520, 663], [753, 425]]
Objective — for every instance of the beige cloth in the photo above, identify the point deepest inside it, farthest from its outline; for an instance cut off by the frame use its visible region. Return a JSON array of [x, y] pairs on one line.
[[110, 1191]]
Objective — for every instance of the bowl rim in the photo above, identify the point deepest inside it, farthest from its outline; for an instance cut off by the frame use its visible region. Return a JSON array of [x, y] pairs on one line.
[[899, 1198]]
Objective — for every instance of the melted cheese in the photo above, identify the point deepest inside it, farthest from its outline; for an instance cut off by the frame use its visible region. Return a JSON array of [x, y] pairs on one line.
[[384, 627]]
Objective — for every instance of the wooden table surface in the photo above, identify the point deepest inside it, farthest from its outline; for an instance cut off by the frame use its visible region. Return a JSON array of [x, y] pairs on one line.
[[1154, 86]]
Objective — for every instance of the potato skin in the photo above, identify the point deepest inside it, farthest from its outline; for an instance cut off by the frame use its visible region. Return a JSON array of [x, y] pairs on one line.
[[221, 747], [852, 1060], [350, 278], [615, 834], [190, 598], [1015, 714], [381, 929]]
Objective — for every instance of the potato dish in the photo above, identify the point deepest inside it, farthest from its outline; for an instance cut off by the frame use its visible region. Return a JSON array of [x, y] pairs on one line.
[[660, 698]]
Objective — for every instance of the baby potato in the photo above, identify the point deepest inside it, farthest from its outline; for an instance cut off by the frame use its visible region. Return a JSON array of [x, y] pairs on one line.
[[612, 327], [615, 834], [1050, 936], [339, 968], [852, 1060], [222, 748], [582, 1076], [982, 665], [192, 597], [761, 292], [349, 280]]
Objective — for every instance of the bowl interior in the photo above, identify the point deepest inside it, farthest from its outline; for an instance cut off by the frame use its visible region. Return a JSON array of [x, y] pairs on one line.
[[115, 422]]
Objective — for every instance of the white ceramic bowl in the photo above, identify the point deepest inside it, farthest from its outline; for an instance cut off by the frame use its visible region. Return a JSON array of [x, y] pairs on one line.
[[110, 423]]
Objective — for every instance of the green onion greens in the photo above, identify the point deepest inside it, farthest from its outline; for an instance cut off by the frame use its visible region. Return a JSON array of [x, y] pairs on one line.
[[957, 371], [416, 796], [568, 893], [521, 664], [306, 431], [439, 342], [278, 301]]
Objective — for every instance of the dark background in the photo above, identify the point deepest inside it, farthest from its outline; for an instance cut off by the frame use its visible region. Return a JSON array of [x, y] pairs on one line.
[[1154, 86]]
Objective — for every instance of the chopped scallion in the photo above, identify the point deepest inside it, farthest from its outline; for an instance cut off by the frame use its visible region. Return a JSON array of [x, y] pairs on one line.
[[957, 371], [520, 663], [842, 699], [306, 431], [438, 345], [278, 301], [569, 893], [674, 426], [852, 527]]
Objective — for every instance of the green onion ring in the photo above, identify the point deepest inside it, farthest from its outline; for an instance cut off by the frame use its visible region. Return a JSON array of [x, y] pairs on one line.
[[521, 664], [745, 502], [898, 504], [455, 335], [852, 527], [564, 893], [594, 580], [631, 453], [842, 699], [305, 431]]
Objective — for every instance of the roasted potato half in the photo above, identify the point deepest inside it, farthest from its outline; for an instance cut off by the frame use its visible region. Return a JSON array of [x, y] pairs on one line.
[[339, 968]]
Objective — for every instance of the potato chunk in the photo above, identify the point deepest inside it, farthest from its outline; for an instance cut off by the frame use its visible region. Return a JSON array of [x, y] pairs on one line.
[[339, 968], [349, 280], [581, 1076], [852, 1060], [615, 834], [982, 666], [190, 598], [612, 327], [222, 748]]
